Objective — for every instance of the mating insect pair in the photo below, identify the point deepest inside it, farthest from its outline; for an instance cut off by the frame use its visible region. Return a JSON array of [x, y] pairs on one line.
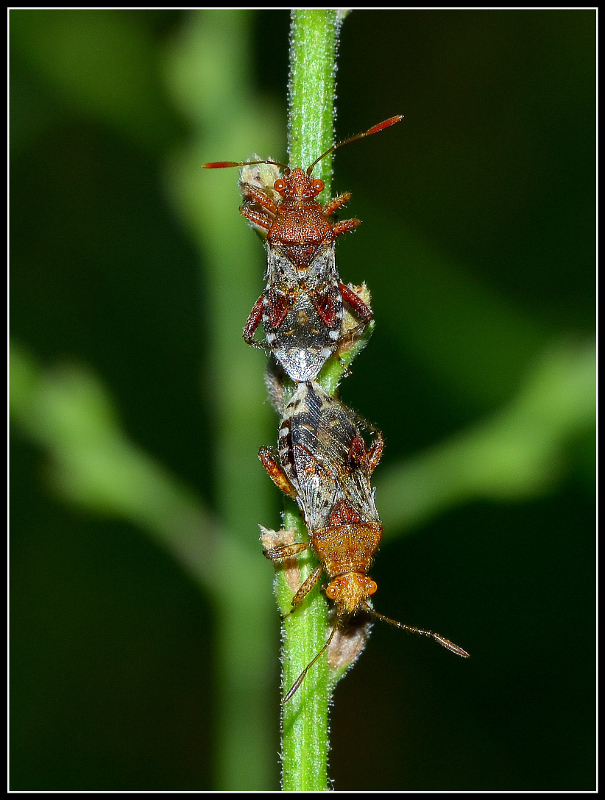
[[301, 307], [325, 465]]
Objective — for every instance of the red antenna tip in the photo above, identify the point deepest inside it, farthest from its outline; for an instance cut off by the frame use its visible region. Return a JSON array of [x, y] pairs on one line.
[[221, 164], [386, 124]]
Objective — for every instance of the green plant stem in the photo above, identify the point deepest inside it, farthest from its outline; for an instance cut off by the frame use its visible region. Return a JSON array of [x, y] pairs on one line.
[[313, 46]]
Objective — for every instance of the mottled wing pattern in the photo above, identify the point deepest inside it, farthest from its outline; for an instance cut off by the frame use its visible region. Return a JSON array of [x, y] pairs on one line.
[[302, 311], [342, 450], [317, 490], [323, 453]]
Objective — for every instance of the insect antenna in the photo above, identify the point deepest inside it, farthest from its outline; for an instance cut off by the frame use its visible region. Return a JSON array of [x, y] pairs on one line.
[[223, 164], [374, 129], [436, 636], [292, 690]]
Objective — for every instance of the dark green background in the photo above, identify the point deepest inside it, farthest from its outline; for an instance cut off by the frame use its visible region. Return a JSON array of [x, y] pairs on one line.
[[493, 167]]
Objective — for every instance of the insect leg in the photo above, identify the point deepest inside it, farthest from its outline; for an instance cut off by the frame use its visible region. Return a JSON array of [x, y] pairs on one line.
[[263, 199], [256, 217], [252, 324], [358, 455], [345, 225], [333, 205], [275, 472], [306, 587], [375, 451], [356, 303], [286, 551]]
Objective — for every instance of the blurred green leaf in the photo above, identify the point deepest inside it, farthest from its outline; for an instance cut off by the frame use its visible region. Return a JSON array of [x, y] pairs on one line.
[[517, 453], [101, 62], [94, 465]]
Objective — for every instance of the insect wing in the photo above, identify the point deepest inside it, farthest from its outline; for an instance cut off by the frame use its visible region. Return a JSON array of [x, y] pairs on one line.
[[317, 490], [326, 427], [302, 311], [329, 431], [301, 343]]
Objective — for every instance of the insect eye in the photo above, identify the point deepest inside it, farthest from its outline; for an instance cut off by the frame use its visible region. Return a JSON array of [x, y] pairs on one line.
[[279, 185], [318, 186], [372, 587]]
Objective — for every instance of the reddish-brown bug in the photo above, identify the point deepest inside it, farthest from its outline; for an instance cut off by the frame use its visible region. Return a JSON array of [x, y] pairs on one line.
[[325, 465], [301, 307]]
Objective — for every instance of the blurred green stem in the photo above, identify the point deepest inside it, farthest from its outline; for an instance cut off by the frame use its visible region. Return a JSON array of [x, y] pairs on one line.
[[67, 411], [206, 72], [516, 453]]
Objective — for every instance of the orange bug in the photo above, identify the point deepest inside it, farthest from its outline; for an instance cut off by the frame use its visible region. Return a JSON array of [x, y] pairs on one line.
[[301, 307], [325, 465]]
